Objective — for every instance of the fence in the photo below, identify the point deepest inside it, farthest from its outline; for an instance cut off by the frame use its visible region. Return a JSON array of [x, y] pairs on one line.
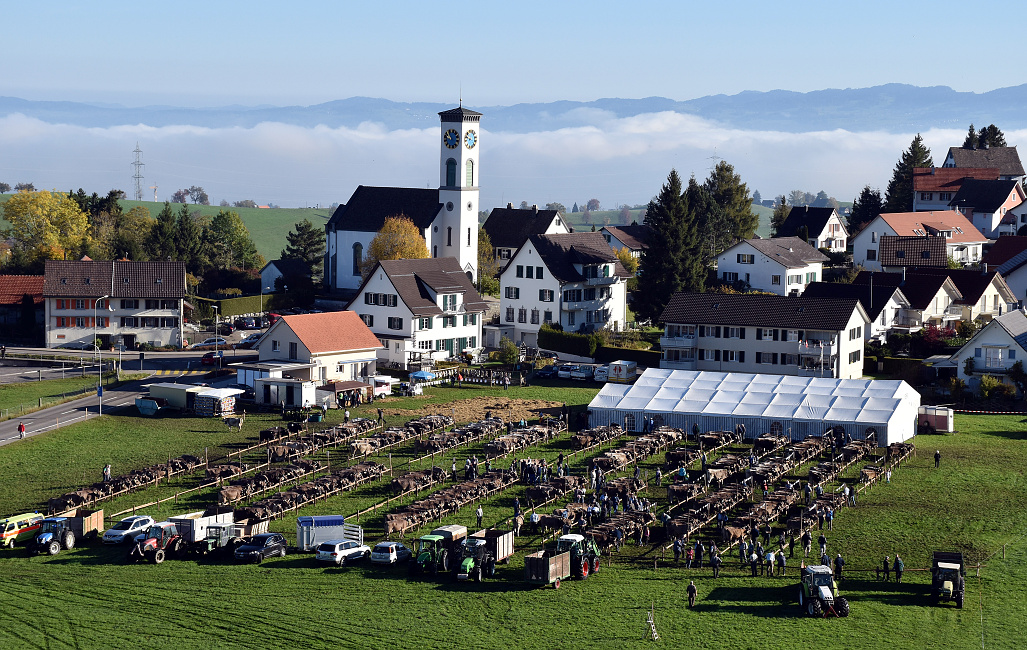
[[19, 410]]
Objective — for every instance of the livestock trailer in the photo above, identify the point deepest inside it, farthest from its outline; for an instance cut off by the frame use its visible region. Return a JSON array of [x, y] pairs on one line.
[[85, 523], [193, 526], [500, 543], [311, 531], [543, 569]]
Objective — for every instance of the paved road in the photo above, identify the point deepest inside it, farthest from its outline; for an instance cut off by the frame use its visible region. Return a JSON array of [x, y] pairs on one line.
[[19, 374]]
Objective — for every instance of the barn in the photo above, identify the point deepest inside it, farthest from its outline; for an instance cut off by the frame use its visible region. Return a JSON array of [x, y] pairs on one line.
[[796, 406]]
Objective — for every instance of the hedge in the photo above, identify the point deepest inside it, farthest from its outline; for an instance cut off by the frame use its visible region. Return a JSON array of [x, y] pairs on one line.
[[582, 345], [647, 358], [229, 307]]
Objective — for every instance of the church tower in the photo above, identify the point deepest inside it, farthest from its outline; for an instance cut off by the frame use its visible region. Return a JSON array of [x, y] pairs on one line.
[[455, 232]]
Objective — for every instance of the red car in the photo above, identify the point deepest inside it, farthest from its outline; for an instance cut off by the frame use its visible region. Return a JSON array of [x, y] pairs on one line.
[[212, 358]]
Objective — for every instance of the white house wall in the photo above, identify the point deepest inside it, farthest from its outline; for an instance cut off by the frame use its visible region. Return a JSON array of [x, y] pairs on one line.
[[764, 270], [528, 296], [72, 336]]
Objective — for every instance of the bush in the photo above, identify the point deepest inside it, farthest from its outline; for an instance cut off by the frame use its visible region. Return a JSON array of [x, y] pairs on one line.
[[582, 345], [508, 352], [988, 387], [1004, 391]]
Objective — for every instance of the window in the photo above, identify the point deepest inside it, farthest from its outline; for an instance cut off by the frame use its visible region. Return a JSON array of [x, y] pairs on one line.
[[504, 253], [730, 277], [855, 356], [129, 321], [510, 314], [534, 317], [128, 304], [434, 251], [449, 236], [358, 257], [474, 319], [538, 273], [571, 317], [519, 271], [153, 304], [873, 237], [395, 323], [424, 323], [60, 304], [605, 292], [546, 295], [775, 280], [855, 333], [473, 342], [871, 255], [451, 173], [367, 318], [424, 345], [80, 304], [522, 315], [547, 317], [590, 294], [926, 196], [468, 236], [513, 293], [945, 196], [80, 321], [731, 333], [900, 254], [728, 355], [470, 173], [275, 347], [746, 259], [293, 350], [530, 271], [795, 279], [811, 277], [792, 335], [572, 295], [789, 359]]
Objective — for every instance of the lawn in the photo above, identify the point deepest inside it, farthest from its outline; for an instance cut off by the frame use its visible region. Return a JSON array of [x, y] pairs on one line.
[[89, 598], [27, 394]]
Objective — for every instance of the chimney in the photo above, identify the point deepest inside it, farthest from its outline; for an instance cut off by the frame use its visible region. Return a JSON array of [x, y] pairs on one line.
[[534, 208], [509, 206]]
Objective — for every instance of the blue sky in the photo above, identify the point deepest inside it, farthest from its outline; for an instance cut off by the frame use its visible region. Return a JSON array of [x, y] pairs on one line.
[[212, 53]]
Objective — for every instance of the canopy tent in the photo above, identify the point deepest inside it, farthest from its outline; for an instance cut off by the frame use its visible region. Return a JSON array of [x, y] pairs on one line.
[[796, 406]]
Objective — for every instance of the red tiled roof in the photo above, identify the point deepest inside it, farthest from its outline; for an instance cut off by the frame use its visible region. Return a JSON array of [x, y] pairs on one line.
[[948, 179], [335, 331], [908, 223], [14, 287]]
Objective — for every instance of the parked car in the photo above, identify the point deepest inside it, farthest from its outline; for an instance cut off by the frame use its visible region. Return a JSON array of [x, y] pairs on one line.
[[583, 373], [260, 547], [245, 323], [225, 329], [341, 552], [390, 553], [602, 373], [546, 372], [248, 342], [212, 358], [214, 340], [564, 372], [125, 531]]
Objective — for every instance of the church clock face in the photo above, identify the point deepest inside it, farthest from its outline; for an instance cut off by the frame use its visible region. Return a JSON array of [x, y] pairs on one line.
[[471, 139], [451, 138]]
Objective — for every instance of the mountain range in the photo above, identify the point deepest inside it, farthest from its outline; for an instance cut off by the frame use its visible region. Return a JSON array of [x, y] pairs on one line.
[[892, 108]]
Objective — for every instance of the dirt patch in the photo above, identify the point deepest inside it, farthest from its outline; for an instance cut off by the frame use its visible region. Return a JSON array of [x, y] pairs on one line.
[[471, 410]]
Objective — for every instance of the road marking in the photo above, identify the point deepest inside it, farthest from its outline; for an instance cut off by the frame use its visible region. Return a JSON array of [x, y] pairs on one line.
[[71, 411]]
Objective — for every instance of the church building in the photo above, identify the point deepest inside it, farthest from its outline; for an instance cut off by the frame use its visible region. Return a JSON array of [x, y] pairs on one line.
[[447, 217]]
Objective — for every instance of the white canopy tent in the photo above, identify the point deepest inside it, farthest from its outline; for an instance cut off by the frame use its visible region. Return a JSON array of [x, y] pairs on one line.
[[797, 406]]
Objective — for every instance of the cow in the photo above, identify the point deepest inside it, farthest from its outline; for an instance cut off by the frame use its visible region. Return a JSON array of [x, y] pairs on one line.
[[230, 494], [235, 423], [732, 534]]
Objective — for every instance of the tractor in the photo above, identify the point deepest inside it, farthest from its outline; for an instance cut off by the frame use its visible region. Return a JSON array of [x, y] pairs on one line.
[[818, 592], [438, 551], [948, 577], [476, 560], [584, 554], [161, 539], [54, 534]]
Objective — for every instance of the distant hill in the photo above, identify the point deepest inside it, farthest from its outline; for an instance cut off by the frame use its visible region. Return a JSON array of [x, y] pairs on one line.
[[892, 107]]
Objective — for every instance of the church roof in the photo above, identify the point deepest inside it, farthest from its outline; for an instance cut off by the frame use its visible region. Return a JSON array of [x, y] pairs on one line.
[[368, 208], [510, 227], [460, 114]]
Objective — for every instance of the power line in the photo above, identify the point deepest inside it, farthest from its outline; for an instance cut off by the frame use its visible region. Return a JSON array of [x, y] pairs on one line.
[[138, 176]]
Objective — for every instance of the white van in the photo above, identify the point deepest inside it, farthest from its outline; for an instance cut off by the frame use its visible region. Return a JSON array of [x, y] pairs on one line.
[[602, 373]]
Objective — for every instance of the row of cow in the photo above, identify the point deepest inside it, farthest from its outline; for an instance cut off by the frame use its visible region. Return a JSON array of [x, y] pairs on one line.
[[244, 488], [424, 425], [319, 488], [417, 480], [442, 440], [590, 437], [438, 504], [638, 449], [518, 439], [119, 484]]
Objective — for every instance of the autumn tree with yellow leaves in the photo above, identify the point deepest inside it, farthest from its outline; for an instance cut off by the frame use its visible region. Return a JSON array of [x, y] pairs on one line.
[[398, 239], [46, 226]]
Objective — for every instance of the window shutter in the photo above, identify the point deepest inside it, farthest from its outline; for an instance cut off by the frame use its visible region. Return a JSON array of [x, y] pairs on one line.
[[774, 357], [741, 355], [759, 337], [702, 331], [1012, 354], [758, 356], [802, 335], [741, 333], [716, 331], [775, 335], [977, 352], [716, 355]]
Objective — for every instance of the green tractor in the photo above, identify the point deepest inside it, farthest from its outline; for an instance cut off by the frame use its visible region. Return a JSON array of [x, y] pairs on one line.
[[438, 551], [948, 577], [584, 552], [476, 560], [818, 592]]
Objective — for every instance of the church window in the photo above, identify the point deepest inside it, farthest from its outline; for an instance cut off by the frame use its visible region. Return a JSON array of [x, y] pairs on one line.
[[470, 173], [449, 236], [434, 251], [468, 236], [358, 257], [450, 173]]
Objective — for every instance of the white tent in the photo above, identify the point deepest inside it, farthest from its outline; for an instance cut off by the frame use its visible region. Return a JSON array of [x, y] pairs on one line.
[[798, 406]]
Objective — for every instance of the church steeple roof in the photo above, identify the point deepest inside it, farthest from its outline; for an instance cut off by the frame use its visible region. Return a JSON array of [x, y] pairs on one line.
[[460, 114]]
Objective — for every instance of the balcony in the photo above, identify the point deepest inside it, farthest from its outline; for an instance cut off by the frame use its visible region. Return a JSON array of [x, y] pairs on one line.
[[458, 309], [678, 365], [678, 342], [816, 348], [593, 282], [589, 305]]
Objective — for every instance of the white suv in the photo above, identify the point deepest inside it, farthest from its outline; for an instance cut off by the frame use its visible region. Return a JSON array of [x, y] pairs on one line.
[[341, 552], [126, 530]]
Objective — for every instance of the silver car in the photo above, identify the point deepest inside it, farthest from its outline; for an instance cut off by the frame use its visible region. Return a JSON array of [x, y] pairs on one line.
[[126, 530], [341, 552], [390, 553]]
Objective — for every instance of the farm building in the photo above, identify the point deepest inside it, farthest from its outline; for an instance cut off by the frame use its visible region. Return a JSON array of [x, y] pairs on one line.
[[798, 406]]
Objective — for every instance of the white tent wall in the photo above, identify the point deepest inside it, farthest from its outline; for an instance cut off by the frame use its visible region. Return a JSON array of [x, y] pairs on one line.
[[797, 406]]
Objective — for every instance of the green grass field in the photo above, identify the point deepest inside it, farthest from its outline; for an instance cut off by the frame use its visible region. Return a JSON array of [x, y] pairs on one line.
[[89, 598]]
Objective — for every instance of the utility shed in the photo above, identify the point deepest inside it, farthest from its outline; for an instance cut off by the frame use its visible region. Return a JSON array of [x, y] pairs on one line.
[[180, 396], [796, 406]]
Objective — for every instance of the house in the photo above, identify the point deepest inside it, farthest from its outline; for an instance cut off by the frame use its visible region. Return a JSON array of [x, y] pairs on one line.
[[282, 269], [883, 304], [991, 205], [933, 298], [21, 302], [819, 227], [508, 228], [1003, 249], [781, 335], [899, 252], [1014, 272], [934, 187], [121, 303], [963, 242], [446, 217], [571, 279], [421, 310], [326, 347], [984, 294], [1005, 159], [630, 237], [782, 265], [994, 349]]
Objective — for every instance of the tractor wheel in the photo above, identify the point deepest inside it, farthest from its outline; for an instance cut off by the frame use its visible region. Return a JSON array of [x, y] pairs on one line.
[[802, 598], [444, 560], [68, 540], [959, 601], [158, 556], [841, 605], [595, 565], [584, 568], [556, 584], [816, 608], [54, 547], [491, 568], [477, 573]]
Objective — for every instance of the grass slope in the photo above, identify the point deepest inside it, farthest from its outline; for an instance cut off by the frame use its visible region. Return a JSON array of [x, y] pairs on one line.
[[88, 598]]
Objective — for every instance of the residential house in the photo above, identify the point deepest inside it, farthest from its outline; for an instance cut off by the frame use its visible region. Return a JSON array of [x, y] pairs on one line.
[[984, 294], [933, 298], [1005, 159], [994, 349], [631, 237], [992, 206], [571, 279], [963, 242], [447, 217], [1014, 272], [121, 303], [1003, 249], [422, 310], [899, 252], [935, 187], [883, 304], [21, 302], [276, 269], [758, 333], [327, 347], [508, 228], [782, 265], [819, 227]]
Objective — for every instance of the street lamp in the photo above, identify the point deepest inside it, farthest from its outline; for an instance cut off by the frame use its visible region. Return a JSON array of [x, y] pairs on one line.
[[216, 334], [262, 290], [99, 357]]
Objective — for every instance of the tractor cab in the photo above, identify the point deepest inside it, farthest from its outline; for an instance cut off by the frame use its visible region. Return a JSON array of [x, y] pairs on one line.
[[426, 546], [946, 575], [158, 535], [51, 526], [572, 543]]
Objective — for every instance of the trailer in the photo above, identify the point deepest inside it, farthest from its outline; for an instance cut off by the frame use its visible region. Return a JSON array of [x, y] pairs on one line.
[[500, 543], [193, 526], [542, 568], [86, 524], [623, 372], [439, 550], [312, 531], [229, 535]]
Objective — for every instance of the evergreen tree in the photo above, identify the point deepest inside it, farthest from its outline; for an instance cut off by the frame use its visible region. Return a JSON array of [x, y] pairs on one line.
[[189, 241], [732, 195], [777, 219], [160, 245], [865, 209], [991, 136], [698, 201], [306, 243], [898, 197], [970, 142], [575, 208]]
